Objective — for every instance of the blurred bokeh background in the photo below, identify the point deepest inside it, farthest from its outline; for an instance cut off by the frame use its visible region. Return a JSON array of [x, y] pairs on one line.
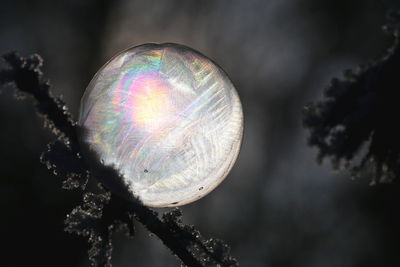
[[277, 207]]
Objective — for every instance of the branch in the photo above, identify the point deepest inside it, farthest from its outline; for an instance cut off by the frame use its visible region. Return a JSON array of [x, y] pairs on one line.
[[362, 108], [103, 212]]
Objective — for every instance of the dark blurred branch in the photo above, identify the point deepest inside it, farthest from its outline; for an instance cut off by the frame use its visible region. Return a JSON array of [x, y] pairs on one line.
[[362, 109], [103, 212]]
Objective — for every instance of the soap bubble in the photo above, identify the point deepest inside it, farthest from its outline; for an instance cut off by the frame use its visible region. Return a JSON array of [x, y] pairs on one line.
[[167, 119]]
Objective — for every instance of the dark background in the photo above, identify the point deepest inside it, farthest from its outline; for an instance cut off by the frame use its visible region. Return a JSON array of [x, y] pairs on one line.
[[277, 207]]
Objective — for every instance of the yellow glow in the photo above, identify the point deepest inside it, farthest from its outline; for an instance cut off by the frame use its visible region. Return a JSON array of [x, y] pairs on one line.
[[151, 106]]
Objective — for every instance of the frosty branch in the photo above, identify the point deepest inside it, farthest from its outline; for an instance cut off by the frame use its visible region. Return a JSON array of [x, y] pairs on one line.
[[102, 212]]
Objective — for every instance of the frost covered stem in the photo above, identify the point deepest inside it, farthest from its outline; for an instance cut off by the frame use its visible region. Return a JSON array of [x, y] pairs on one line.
[[27, 76], [183, 240]]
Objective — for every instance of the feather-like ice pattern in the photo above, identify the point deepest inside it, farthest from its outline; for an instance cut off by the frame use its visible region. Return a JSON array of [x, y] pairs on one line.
[[167, 118]]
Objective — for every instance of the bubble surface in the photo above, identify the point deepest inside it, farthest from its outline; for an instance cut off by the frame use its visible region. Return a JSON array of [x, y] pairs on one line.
[[167, 119]]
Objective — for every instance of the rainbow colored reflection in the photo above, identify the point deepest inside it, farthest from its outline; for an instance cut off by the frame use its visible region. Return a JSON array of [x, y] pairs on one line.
[[167, 118]]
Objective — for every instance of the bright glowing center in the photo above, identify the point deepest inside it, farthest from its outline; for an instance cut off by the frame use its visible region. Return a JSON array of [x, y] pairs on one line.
[[151, 107]]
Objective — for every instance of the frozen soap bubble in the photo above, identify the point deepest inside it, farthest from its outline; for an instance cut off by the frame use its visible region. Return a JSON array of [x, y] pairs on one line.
[[167, 119]]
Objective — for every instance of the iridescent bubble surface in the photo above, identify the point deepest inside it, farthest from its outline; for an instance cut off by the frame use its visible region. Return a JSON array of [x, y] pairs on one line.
[[167, 119]]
